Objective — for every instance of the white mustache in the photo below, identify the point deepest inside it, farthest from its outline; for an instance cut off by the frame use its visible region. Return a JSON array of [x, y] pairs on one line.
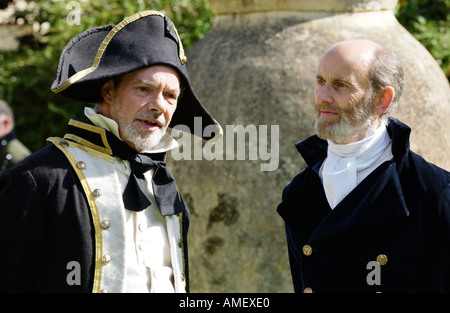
[[151, 116]]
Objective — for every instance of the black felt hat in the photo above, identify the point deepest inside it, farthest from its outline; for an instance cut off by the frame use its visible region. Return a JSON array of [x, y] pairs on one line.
[[106, 52]]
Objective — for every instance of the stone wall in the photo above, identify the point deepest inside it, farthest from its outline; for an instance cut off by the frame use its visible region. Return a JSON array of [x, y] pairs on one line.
[[257, 66]]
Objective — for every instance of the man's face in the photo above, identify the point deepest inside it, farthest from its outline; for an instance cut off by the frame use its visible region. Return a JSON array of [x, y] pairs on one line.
[[143, 104], [343, 101]]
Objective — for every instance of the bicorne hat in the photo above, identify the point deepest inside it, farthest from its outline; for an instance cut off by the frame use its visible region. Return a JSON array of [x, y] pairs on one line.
[[144, 39]]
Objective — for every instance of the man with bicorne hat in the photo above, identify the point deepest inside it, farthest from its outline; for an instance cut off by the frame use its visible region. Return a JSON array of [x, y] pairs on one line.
[[98, 210]]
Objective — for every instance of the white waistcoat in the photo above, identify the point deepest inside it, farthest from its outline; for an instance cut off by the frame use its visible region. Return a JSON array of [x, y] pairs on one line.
[[126, 263]]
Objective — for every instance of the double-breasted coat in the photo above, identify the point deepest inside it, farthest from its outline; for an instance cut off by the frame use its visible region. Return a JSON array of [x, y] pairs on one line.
[[390, 234]]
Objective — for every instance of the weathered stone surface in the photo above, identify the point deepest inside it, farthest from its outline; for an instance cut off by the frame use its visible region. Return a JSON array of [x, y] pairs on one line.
[[259, 69]]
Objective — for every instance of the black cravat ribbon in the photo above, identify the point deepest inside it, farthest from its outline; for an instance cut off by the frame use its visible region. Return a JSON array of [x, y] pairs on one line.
[[134, 197], [164, 185]]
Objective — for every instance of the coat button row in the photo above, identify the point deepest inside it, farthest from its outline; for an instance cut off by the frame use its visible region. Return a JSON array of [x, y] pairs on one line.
[[381, 259]]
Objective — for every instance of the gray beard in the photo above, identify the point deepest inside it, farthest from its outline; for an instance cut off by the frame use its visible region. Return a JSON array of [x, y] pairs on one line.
[[142, 142], [350, 125], [342, 130]]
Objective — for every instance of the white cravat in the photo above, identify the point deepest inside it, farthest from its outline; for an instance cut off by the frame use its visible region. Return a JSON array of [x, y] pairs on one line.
[[348, 164]]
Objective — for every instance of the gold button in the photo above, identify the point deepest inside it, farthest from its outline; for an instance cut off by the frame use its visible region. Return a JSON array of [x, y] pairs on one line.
[[382, 259], [81, 165], [105, 224], [307, 290], [307, 250], [97, 193], [180, 243], [106, 259], [64, 143]]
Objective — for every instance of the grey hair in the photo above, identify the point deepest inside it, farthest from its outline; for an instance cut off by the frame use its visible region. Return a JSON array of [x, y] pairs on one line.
[[387, 70]]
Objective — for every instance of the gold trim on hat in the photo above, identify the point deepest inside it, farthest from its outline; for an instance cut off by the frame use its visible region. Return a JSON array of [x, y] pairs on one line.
[[77, 76]]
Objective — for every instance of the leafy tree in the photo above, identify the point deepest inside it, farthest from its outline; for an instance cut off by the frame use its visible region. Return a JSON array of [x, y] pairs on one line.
[[429, 22]]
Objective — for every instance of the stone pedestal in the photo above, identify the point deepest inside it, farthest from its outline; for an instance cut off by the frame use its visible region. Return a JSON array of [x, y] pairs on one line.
[[257, 66]]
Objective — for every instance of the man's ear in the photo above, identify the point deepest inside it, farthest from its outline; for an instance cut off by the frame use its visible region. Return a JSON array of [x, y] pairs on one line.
[[384, 100], [107, 92]]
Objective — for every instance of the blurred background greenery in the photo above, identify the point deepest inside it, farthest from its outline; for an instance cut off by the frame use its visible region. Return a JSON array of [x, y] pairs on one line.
[[27, 74]]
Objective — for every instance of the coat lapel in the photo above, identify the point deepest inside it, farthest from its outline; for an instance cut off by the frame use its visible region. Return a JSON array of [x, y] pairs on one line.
[[377, 199]]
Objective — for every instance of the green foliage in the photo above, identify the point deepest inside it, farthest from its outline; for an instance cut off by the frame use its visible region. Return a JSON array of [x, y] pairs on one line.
[[26, 75], [429, 22]]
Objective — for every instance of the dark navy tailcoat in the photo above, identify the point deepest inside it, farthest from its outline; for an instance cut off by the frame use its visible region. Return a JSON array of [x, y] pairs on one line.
[[399, 215]]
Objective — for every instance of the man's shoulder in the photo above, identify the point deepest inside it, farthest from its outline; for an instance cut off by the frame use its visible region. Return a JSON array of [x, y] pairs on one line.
[[431, 177], [48, 156], [42, 163]]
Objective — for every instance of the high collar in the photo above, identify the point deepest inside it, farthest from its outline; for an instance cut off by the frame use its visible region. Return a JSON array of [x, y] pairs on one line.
[[97, 138], [167, 142], [313, 149]]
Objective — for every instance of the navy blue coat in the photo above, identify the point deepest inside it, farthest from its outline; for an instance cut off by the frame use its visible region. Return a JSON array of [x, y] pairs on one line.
[[400, 212]]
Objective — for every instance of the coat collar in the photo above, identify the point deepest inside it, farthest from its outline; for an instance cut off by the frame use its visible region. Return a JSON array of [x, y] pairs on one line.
[[377, 199], [167, 142], [382, 202], [313, 149], [97, 138]]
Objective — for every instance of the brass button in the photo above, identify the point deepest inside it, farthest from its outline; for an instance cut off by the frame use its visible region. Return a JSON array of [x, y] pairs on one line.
[[97, 193], [105, 224], [106, 259], [382, 259], [81, 165], [64, 143], [307, 290], [180, 243], [307, 250]]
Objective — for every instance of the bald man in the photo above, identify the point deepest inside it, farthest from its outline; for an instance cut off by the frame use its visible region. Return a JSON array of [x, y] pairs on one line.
[[367, 214]]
